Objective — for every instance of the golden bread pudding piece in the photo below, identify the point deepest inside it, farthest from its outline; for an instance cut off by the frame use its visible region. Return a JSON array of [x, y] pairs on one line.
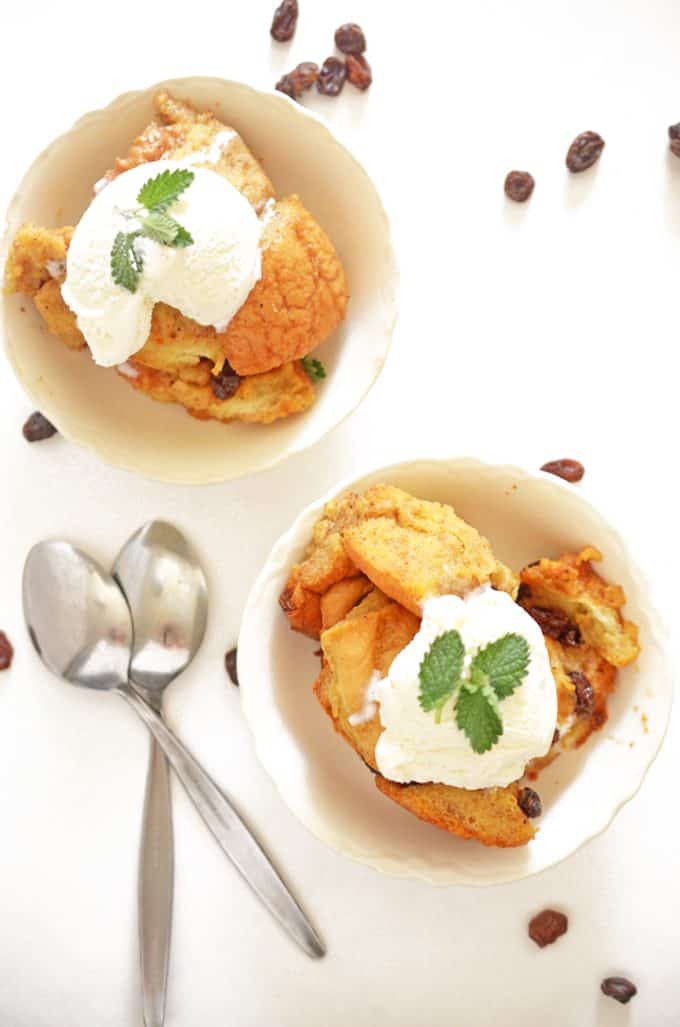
[[372, 559], [572, 586], [409, 548], [299, 300]]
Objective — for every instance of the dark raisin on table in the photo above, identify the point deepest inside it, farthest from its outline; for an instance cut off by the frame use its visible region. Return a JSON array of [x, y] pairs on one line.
[[585, 696], [358, 71], [37, 428], [584, 151], [226, 383], [519, 185], [350, 38], [568, 470], [331, 77], [619, 988], [284, 21], [529, 802], [230, 665], [546, 927], [299, 79], [6, 651], [556, 624]]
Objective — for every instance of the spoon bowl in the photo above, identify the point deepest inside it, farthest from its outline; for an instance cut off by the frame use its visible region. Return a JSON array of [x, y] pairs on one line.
[[167, 593], [86, 637]]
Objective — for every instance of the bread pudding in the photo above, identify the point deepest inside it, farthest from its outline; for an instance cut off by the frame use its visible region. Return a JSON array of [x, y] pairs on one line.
[[225, 341], [454, 678]]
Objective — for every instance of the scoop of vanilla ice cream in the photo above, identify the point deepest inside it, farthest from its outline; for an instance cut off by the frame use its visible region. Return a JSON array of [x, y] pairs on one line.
[[414, 747], [207, 281]]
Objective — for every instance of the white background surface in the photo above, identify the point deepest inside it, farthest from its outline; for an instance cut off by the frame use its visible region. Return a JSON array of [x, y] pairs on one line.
[[526, 334]]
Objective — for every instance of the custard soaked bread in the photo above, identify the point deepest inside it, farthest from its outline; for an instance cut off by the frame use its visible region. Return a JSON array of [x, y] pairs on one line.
[[298, 301], [372, 559]]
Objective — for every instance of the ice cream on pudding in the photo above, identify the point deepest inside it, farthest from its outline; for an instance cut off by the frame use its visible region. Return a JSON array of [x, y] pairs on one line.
[[207, 277], [455, 679], [427, 744]]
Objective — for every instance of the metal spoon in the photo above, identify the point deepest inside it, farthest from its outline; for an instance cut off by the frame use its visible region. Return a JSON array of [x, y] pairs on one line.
[[80, 625], [167, 595]]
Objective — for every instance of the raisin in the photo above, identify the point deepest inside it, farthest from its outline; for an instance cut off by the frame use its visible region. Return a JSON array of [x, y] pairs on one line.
[[584, 151], [226, 383], [556, 624], [569, 470], [358, 71], [519, 185], [331, 77], [300, 78], [619, 988], [230, 665], [530, 803], [284, 21], [6, 651], [547, 927], [37, 428], [350, 39], [585, 697], [675, 147]]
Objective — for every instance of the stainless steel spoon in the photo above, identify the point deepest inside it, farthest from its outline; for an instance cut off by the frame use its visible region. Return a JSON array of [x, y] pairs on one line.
[[80, 625], [167, 595]]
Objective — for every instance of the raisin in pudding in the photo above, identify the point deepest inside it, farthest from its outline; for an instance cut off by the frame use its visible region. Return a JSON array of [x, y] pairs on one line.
[[189, 276]]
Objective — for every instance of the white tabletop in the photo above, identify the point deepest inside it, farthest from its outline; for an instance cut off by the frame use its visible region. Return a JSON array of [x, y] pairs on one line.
[[526, 334]]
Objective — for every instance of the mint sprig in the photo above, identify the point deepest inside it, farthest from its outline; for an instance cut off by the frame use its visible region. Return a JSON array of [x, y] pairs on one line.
[[153, 222], [314, 368], [495, 672], [440, 672]]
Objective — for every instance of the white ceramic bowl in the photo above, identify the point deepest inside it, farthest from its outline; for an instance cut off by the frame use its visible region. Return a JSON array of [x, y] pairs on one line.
[[327, 786], [92, 405]]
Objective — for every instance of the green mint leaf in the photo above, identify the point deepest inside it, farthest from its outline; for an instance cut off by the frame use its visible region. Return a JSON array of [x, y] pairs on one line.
[[478, 716], [126, 262], [440, 671], [159, 227], [314, 368], [160, 192], [504, 662], [183, 238]]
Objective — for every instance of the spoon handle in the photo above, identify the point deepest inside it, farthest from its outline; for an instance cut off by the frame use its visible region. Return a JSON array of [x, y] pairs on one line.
[[156, 873], [230, 831]]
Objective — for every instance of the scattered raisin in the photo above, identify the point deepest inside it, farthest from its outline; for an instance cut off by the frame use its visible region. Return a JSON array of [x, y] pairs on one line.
[[619, 988], [6, 651], [675, 147], [585, 697], [226, 383], [230, 664], [300, 78], [547, 927], [350, 39], [37, 428], [285, 21], [530, 803], [331, 77], [569, 470], [556, 624], [584, 151], [519, 185], [358, 71]]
